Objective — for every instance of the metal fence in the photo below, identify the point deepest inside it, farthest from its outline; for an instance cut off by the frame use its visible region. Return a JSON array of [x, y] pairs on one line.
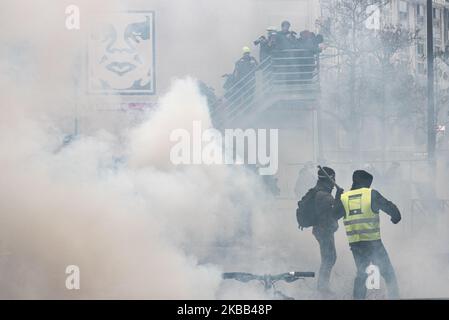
[[286, 74]]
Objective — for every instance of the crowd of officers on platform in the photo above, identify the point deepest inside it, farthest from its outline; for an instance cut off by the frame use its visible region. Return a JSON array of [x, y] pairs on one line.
[[274, 40]]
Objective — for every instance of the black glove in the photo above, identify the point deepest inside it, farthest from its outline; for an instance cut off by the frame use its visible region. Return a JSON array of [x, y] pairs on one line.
[[339, 193], [396, 219]]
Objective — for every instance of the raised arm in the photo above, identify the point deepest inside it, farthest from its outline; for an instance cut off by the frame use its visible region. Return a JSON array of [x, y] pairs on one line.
[[378, 202], [339, 210]]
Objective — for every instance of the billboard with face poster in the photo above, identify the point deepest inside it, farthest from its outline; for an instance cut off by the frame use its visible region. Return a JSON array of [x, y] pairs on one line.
[[121, 57]]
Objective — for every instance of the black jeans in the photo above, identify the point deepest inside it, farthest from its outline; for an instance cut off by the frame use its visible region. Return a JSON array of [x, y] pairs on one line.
[[328, 257], [366, 252]]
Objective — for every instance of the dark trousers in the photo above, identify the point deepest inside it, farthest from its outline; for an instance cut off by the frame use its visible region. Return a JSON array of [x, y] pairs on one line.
[[366, 252], [328, 257]]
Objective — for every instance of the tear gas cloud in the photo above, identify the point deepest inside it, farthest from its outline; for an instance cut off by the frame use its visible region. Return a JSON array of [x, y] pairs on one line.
[[112, 203]]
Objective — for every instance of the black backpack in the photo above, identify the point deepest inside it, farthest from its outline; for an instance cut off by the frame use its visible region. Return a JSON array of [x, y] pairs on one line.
[[305, 213]]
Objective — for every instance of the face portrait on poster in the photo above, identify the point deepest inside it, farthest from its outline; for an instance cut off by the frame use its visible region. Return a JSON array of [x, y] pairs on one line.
[[122, 54]]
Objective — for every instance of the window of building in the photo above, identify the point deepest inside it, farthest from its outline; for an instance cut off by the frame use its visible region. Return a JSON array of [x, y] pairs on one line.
[[402, 6], [420, 49]]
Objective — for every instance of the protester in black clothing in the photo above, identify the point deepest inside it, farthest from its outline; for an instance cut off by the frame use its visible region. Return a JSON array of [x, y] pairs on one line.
[[326, 226]]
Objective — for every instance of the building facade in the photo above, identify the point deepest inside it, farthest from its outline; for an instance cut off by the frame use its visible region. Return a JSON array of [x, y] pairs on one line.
[[412, 15]]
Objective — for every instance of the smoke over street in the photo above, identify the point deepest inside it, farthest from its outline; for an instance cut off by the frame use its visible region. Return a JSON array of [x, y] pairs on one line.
[[85, 151]]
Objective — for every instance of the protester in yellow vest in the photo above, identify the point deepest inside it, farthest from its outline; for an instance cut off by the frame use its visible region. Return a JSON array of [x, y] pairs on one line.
[[359, 208]]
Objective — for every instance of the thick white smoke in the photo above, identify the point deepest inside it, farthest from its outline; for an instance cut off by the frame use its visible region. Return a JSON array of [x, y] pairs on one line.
[[123, 226], [113, 204]]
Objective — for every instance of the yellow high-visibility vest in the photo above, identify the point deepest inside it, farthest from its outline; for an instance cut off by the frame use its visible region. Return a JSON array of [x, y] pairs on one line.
[[361, 223]]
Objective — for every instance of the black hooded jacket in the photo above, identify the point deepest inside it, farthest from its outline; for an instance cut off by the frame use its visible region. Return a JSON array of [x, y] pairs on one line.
[[325, 207]]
